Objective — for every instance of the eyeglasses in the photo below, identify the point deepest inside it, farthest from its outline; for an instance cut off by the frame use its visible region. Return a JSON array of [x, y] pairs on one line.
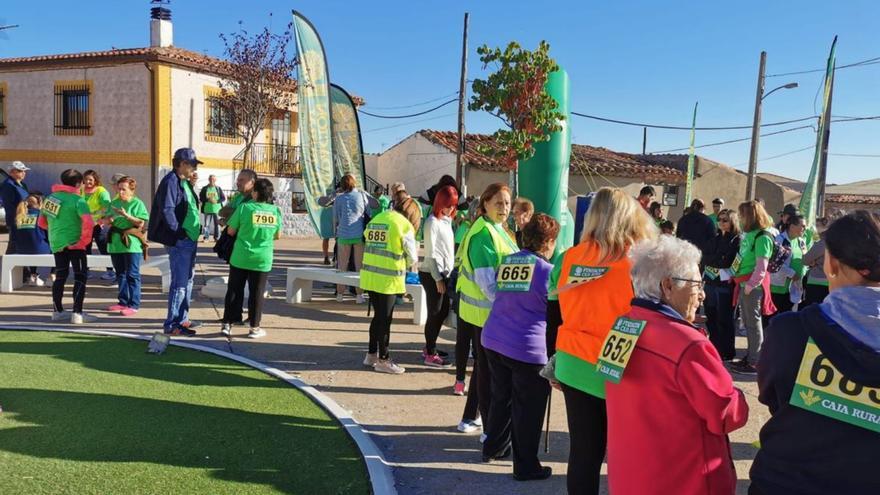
[[697, 283], [724, 220]]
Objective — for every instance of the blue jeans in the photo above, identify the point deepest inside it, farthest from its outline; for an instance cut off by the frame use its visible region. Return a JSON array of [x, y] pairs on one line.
[[182, 257], [128, 277]]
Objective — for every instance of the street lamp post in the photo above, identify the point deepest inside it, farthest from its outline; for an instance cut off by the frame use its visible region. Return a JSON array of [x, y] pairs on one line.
[[756, 126]]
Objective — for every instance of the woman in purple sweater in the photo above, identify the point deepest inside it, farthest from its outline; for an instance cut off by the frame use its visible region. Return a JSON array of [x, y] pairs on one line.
[[514, 338]]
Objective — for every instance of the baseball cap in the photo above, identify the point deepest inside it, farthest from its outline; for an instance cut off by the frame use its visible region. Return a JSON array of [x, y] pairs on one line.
[[789, 209], [187, 155], [17, 165]]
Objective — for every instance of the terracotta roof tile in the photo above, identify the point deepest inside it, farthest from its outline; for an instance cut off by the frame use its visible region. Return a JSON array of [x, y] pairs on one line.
[[857, 199], [170, 54], [584, 159]]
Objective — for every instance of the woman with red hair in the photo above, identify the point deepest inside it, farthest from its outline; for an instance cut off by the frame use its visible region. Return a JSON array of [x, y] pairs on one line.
[[435, 269]]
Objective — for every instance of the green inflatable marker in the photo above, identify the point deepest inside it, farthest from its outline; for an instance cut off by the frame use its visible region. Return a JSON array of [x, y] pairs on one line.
[[544, 177]]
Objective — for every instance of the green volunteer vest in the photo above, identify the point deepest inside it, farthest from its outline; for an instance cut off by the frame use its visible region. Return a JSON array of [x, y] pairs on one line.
[[473, 305], [384, 266], [211, 192]]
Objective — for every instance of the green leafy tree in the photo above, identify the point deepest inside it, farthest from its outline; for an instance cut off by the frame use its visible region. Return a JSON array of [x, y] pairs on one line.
[[515, 93]]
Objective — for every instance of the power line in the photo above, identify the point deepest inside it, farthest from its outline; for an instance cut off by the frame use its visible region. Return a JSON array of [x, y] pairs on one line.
[[812, 146], [736, 140], [407, 123], [855, 155], [682, 128], [870, 61], [415, 104], [410, 115]]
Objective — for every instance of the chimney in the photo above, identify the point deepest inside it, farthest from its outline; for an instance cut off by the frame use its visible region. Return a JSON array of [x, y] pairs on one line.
[[161, 33]]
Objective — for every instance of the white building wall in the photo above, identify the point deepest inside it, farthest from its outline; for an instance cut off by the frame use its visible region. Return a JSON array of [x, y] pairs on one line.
[[417, 162]]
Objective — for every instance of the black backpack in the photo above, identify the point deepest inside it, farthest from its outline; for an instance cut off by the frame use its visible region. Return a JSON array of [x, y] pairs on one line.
[[780, 252]]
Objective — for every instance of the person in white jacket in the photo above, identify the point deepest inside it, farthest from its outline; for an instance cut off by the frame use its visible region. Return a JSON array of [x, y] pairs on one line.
[[435, 269]]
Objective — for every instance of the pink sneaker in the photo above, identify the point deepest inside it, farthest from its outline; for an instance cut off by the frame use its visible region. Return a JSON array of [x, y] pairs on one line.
[[128, 312], [458, 388], [117, 307], [436, 361]]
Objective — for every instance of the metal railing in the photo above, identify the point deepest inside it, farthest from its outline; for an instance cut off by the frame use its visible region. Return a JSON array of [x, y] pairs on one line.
[[372, 184], [274, 160]]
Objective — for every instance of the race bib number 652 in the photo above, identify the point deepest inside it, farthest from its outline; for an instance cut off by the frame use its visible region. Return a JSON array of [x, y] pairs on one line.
[[821, 388], [618, 347]]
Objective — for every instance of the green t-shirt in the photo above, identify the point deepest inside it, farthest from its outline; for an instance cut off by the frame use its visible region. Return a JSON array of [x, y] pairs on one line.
[[462, 231], [750, 250], [481, 249], [714, 218], [191, 223], [64, 212], [580, 374], [384, 204], [212, 192], [554, 276], [796, 264], [135, 208], [98, 201], [256, 225]]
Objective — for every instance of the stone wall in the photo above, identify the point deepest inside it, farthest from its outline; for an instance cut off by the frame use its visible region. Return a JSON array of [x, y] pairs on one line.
[[295, 224]]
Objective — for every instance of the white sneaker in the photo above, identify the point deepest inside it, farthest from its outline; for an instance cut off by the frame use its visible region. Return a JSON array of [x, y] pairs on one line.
[[226, 329], [483, 438], [478, 422], [256, 333], [388, 366], [60, 315], [339, 297], [39, 282], [371, 359], [80, 318], [467, 427], [361, 299]]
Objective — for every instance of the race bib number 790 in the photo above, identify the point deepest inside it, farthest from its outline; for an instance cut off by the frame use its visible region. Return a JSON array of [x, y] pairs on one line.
[[263, 219], [618, 347], [823, 389]]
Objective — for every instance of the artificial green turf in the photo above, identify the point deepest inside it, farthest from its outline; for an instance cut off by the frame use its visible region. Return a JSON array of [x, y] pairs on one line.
[[84, 414]]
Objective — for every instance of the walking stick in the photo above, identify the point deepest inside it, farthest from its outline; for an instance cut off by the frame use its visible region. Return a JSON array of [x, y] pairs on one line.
[[547, 431]]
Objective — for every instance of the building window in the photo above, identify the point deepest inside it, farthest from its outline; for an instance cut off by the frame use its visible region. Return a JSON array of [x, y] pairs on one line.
[[220, 124], [670, 196], [73, 105], [2, 108]]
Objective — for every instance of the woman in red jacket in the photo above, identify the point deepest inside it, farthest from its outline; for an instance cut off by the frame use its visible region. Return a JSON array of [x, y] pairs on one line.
[[670, 413]]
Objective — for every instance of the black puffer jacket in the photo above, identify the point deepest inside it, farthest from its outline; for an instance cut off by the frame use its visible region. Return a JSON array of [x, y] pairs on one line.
[[720, 252]]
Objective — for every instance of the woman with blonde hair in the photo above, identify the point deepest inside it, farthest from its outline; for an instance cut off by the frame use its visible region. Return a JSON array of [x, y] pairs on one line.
[[594, 288], [751, 279]]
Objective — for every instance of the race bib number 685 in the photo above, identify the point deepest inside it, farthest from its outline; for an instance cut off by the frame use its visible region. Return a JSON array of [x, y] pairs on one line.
[[377, 236]]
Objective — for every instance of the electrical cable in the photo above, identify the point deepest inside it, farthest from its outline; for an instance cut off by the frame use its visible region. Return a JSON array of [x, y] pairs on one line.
[[735, 140], [683, 128], [410, 115], [870, 61], [414, 104], [407, 123], [810, 147]]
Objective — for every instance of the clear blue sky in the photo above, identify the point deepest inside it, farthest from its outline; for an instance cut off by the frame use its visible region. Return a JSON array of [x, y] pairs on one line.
[[641, 61]]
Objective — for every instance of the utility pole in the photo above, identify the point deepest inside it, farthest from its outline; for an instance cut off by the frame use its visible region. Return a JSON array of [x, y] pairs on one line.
[[644, 140], [823, 156], [756, 129], [460, 173]]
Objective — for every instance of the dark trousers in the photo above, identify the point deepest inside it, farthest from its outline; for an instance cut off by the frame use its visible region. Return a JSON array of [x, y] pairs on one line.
[[481, 378], [464, 337], [438, 309], [519, 397], [587, 432], [128, 277], [380, 325], [256, 282], [782, 302], [813, 294], [99, 236], [720, 319], [64, 261]]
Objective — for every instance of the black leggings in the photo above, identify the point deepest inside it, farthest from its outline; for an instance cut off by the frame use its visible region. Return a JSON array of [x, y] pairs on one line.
[[481, 378], [438, 309], [64, 260], [256, 282], [380, 326], [588, 432]]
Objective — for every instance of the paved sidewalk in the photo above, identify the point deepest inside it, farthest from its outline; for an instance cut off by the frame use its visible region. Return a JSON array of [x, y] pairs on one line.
[[412, 417]]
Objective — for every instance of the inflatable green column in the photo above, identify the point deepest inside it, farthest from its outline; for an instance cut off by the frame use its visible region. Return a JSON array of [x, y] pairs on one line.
[[544, 177]]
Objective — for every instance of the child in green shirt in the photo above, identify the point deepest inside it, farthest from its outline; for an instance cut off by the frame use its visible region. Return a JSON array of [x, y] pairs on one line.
[[67, 218]]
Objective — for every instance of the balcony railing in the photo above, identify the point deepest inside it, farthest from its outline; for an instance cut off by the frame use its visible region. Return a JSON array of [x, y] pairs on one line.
[[276, 160]]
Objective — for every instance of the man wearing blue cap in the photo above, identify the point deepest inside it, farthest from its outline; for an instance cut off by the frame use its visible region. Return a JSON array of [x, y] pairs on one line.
[[174, 222]]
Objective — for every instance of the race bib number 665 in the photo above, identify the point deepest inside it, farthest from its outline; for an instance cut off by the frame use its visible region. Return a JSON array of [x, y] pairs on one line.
[[821, 388], [515, 273], [618, 347]]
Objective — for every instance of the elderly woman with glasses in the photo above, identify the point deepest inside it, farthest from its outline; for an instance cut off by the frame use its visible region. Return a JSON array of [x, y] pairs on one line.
[[718, 255], [672, 402]]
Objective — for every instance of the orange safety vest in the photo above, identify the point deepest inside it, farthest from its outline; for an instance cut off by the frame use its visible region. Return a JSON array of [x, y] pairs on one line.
[[589, 310]]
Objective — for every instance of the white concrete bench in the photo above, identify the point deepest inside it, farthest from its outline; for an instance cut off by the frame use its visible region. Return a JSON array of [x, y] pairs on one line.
[[11, 272], [299, 287]]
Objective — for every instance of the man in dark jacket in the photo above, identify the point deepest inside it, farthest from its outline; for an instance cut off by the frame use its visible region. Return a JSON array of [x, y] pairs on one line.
[[12, 192], [174, 222], [696, 227]]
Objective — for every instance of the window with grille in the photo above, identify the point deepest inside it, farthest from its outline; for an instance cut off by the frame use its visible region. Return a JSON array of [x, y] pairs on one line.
[[73, 108], [219, 119]]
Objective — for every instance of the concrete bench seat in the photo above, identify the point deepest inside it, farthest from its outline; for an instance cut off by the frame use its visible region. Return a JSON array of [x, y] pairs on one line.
[[300, 279], [13, 265]]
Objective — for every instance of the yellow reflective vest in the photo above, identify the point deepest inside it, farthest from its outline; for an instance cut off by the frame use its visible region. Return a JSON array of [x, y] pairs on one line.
[[473, 305], [385, 264]]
